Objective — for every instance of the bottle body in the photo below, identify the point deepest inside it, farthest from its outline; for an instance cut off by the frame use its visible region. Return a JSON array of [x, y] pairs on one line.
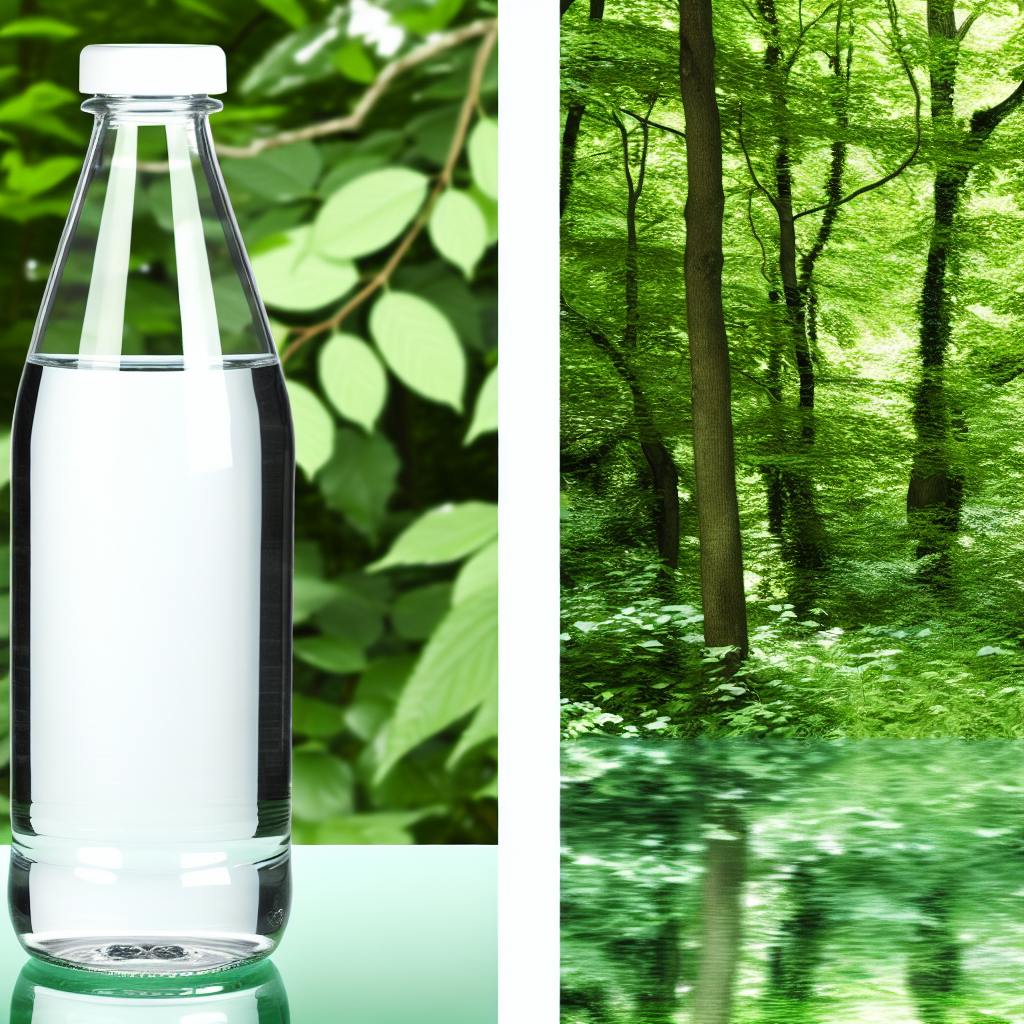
[[151, 594]]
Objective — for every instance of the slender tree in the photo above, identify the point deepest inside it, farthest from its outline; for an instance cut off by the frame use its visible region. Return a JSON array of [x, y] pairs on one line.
[[934, 495], [573, 120], [721, 555]]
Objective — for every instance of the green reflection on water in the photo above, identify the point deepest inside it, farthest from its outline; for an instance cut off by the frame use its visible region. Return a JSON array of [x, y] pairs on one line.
[[45, 994], [752, 882]]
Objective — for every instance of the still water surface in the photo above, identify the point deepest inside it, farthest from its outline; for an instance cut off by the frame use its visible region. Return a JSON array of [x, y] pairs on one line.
[[750, 882]]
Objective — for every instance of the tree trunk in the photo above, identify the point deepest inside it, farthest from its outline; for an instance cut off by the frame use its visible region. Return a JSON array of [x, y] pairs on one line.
[[934, 494], [659, 458], [721, 919], [573, 119], [721, 555]]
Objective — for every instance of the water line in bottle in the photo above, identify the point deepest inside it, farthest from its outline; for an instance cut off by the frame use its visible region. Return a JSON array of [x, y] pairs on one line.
[[103, 325]]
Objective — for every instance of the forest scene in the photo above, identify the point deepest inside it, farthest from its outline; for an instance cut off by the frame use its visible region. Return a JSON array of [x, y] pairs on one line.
[[792, 382], [796, 512], [773, 882], [358, 142]]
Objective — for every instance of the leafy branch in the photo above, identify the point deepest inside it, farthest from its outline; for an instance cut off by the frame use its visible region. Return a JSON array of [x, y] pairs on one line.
[[381, 278], [354, 121]]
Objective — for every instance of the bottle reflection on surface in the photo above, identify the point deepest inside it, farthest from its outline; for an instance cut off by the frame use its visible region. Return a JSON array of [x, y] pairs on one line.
[[46, 994]]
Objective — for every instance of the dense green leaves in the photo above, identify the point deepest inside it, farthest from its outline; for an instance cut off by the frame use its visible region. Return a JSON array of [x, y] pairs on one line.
[[420, 346], [331, 653], [360, 478], [443, 535], [353, 379], [368, 213], [456, 673], [321, 785]]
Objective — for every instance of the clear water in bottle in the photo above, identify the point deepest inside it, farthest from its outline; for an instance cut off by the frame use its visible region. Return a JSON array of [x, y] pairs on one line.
[[152, 483]]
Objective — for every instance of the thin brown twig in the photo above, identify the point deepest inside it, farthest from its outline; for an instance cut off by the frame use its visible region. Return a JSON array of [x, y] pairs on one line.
[[750, 166], [353, 122], [381, 278], [753, 231]]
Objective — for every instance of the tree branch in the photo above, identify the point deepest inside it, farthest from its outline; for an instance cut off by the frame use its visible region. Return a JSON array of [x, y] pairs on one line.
[[753, 231], [381, 278], [750, 166], [917, 121], [654, 124], [354, 121]]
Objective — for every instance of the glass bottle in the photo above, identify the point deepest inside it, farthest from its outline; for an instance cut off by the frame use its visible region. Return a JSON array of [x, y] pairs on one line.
[[152, 494]]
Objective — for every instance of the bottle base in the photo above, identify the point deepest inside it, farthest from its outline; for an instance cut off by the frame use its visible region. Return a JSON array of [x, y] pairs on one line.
[[165, 956]]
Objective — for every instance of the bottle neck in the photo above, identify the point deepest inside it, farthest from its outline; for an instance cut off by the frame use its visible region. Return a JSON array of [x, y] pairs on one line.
[[141, 110]]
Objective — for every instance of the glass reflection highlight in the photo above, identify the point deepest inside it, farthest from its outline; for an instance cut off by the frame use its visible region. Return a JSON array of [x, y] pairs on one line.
[[46, 994]]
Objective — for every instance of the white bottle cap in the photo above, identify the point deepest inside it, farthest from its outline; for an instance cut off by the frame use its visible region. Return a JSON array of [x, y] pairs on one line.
[[156, 69]]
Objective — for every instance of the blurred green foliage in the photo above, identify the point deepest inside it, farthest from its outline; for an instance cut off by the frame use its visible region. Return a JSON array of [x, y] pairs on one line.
[[396, 573], [875, 880]]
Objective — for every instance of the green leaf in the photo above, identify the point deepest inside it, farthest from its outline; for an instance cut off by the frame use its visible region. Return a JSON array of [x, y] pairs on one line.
[[233, 313], [5, 457], [443, 286], [360, 479], [32, 108], [485, 416], [483, 728], [321, 785], [330, 653], [282, 174], [490, 790], [368, 213], [479, 573], [483, 156], [297, 60], [442, 535], [489, 208], [380, 828], [420, 346], [199, 7], [354, 62], [34, 179], [458, 230], [314, 428], [309, 595], [376, 694], [457, 672], [292, 278], [315, 718], [38, 28], [418, 611], [425, 18], [353, 379], [279, 332], [290, 11], [356, 613]]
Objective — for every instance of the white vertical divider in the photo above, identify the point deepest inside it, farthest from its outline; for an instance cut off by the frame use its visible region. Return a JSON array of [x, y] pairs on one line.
[[528, 853], [103, 325], [208, 413]]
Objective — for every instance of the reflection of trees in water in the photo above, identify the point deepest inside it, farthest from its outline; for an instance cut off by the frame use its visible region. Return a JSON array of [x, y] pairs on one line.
[[732, 881]]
